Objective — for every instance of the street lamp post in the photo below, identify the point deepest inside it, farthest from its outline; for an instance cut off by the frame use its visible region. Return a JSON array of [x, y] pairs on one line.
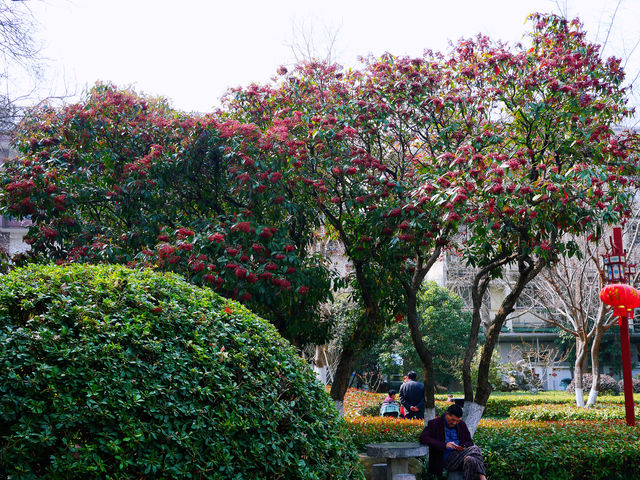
[[624, 299]]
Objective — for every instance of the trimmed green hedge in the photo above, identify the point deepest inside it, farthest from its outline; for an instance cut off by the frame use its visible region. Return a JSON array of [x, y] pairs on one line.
[[500, 403], [374, 410], [107, 372], [559, 450], [547, 412], [365, 430], [525, 450]]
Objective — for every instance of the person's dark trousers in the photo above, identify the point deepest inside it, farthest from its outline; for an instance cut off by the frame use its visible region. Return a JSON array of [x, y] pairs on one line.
[[469, 461], [414, 415]]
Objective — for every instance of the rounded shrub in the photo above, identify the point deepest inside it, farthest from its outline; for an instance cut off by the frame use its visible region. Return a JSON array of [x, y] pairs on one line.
[[608, 384], [635, 382], [107, 372]]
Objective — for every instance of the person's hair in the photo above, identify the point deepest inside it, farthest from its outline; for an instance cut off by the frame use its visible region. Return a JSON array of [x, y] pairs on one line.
[[392, 392], [455, 410], [412, 375]]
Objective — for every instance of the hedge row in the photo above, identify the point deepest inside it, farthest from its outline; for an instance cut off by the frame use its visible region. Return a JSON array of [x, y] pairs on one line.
[[500, 404], [516, 449], [549, 412], [559, 450], [360, 402], [374, 410]]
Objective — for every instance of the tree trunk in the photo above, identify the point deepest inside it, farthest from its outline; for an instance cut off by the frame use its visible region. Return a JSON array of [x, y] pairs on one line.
[[426, 357], [475, 409], [526, 272], [341, 378], [367, 330], [484, 387], [595, 367], [581, 351], [478, 290], [472, 415], [320, 365]]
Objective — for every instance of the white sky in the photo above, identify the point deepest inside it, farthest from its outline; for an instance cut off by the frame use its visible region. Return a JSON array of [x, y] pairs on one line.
[[191, 51]]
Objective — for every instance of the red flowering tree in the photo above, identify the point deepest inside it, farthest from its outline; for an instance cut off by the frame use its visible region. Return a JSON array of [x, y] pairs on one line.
[[310, 117], [122, 178], [373, 151], [431, 128], [558, 169]]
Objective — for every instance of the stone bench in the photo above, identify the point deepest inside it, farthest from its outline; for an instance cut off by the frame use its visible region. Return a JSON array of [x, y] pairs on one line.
[[375, 468], [397, 455]]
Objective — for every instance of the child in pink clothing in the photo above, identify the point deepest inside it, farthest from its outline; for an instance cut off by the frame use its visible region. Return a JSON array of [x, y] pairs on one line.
[[390, 396]]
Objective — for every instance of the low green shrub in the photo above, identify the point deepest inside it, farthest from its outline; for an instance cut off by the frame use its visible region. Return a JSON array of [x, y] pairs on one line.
[[548, 412], [106, 372], [519, 450], [515, 450], [365, 430], [618, 399], [500, 403], [374, 410]]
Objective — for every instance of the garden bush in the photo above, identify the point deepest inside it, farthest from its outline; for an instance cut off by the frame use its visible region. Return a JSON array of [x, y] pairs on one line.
[[374, 410], [107, 372], [515, 450], [365, 430], [519, 450], [608, 384], [549, 412], [635, 383], [500, 404]]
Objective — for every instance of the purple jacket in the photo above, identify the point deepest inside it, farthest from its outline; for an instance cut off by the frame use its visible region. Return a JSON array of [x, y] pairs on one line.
[[433, 436]]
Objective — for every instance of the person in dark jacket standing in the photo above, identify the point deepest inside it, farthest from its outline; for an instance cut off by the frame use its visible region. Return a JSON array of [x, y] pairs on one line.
[[451, 447], [412, 397]]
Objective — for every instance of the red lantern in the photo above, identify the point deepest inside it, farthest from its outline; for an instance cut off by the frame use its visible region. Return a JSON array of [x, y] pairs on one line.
[[621, 297]]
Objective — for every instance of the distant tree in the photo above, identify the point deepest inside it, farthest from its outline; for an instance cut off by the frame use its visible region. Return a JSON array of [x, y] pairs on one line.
[[568, 291], [307, 44]]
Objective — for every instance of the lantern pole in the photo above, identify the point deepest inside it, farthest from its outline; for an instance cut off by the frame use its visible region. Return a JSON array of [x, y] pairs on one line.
[[623, 323]]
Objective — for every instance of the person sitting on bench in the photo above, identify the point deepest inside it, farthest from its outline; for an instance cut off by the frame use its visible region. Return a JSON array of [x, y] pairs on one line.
[[451, 447]]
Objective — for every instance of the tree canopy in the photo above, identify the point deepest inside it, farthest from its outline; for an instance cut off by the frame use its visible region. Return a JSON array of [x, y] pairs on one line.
[[121, 178]]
